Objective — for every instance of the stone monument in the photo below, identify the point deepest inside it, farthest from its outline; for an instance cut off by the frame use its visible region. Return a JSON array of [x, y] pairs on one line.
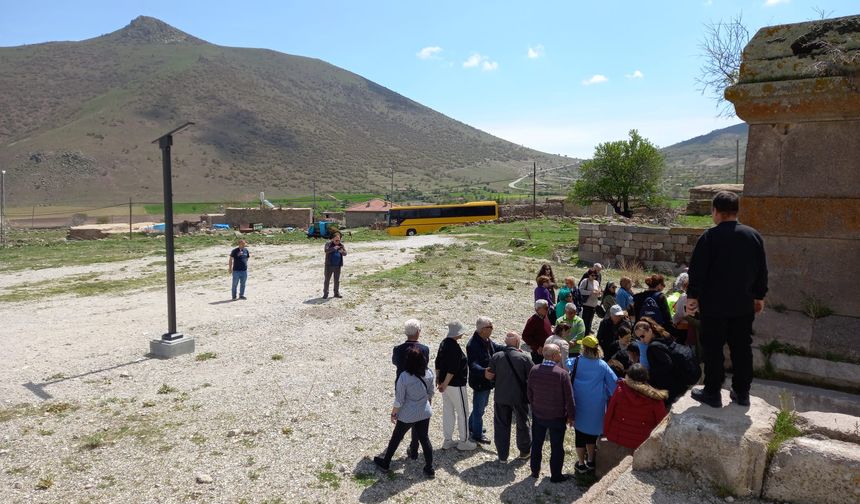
[[799, 90]]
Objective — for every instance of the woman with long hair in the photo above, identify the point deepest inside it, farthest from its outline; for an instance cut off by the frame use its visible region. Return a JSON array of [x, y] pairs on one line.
[[655, 344], [546, 270], [411, 411], [652, 302], [542, 291]]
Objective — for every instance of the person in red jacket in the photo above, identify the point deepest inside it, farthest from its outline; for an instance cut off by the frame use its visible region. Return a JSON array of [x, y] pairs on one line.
[[634, 410]]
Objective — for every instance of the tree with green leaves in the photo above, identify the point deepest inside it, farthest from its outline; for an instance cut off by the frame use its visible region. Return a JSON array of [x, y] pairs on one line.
[[624, 174]]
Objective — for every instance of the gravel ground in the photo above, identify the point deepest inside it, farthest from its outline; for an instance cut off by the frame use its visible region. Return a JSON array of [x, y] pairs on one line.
[[85, 417]]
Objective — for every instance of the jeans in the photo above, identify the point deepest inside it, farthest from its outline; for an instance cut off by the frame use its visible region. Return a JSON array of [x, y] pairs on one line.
[[715, 332], [556, 430], [239, 277], [419, 433], [329, 271], [480, 398], [502, 419]]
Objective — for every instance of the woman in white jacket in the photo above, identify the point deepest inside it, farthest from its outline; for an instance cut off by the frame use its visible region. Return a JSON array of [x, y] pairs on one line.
[[589, 288]]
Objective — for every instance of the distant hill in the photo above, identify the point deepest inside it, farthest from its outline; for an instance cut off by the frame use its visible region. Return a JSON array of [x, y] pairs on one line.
[[79, 117], [705, 159]]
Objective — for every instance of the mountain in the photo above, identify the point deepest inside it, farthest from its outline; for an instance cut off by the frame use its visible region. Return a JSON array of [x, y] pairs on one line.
[[79, 119], [705, 159]]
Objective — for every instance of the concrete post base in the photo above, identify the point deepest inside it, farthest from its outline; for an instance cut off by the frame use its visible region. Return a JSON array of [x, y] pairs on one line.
[[165, 349]]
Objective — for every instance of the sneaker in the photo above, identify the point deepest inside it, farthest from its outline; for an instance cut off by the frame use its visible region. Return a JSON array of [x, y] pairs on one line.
[[560, 478], [740, 399], [590, 465], [712, 400], [338, 296], [381, 463], [234, 299], [466, 446], [242, 297], [580, 468], [448, 444], [325, 296], [524, 455], [412, 454], [429, 472]]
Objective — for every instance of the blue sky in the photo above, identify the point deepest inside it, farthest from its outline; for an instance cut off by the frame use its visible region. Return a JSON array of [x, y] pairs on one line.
[[557, 76]]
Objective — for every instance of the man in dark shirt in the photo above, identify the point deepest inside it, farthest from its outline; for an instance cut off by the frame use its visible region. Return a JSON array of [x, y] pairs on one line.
[[728, 283], [551, 397], [479, 349], [537, 330], [412, 328], [238, 267], [334, 253], [452, 372], [607, 331], [511, 368]]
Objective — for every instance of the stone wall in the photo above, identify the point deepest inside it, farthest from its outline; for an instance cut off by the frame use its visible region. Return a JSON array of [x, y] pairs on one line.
[[283, 217], [701, 197], [359, 219], [657, 248], [802, 183]]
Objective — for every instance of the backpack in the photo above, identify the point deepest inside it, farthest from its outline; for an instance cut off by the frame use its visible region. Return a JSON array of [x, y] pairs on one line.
[[651, 309], [578, 300], [685, 365]]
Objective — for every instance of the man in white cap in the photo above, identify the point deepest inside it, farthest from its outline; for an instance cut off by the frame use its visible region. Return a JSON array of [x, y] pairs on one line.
[[607, 332], [452, 373]]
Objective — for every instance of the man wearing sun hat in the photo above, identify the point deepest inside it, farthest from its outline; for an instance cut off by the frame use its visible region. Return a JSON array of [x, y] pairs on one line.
[[452, 372], [607, 331]]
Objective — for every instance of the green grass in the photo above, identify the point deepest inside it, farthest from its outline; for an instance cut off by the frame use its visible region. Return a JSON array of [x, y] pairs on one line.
[[542, 237], [695, 221], [365, 480], [327, 476], [49, 249], [784, 429], [205, 356]]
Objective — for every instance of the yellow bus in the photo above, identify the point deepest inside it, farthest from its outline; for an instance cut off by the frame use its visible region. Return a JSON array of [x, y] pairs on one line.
[[412, 220]]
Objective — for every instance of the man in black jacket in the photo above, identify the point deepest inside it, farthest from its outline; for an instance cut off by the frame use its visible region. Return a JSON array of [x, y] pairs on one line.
[[511, 368], [452, 371], [728, 283], [479, 349]]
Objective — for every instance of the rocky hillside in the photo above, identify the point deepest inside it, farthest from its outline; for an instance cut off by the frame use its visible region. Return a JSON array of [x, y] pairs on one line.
[[705, 159], [79, 119]]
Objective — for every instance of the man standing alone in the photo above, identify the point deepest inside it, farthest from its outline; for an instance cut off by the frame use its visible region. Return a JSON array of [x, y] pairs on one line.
[[238, 267], [334, 252], [728, 283]]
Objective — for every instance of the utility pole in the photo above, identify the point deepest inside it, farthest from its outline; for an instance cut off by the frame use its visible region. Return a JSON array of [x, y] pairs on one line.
[[392, 184], [3, 208], [315, 199], [129, 218], [534, 190], [737, 159]]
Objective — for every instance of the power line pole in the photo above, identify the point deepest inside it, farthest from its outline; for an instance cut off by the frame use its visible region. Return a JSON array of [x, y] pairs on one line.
[[737, 159], [392, 184], [534, 190], [3, 208], [129, 218], [315, 197]]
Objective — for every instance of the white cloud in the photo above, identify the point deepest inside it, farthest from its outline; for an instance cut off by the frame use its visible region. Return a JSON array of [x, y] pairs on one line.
[[708, 2], [595, 79], [635, 75], [431, 52], [476, 60], [535, 52], [771, 3]]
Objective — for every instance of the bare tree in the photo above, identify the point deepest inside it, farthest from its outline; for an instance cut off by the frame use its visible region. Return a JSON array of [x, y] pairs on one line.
[[721, 49], [822, 13]]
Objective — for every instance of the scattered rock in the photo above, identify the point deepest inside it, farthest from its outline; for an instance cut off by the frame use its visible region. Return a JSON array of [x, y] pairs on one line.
[[124, 375], [17, 485], [204, 478], [88, 486], [232, 432], [730, 499], [4, 452]]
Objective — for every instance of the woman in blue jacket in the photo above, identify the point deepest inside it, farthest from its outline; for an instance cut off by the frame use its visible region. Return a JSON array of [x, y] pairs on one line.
[[593, 385]]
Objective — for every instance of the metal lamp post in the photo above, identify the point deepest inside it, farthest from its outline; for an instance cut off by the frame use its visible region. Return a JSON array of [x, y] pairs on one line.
[[172, 343]]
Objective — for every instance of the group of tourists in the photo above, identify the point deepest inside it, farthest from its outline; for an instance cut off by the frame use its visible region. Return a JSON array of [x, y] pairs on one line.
[[618, 382]]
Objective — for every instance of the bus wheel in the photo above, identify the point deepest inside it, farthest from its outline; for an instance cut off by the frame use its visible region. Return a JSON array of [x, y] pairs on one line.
[[411, 232]]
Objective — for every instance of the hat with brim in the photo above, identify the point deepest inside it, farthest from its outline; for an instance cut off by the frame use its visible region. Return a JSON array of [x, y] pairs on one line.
[[616, 310], [589, 341], [455, 329]]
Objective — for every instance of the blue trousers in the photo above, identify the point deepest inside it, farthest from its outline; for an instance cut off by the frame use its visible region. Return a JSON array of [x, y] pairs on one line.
[[239, 277], [480, 398]]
